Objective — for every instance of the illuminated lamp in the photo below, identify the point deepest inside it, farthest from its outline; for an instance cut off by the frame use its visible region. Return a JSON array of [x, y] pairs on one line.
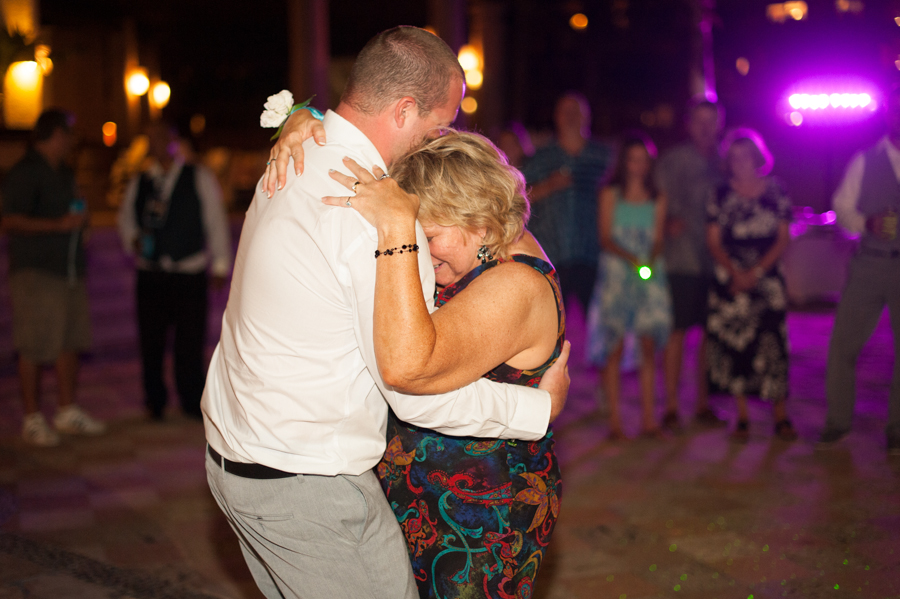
[[474, 78], [469, 58], [796, 119], [578, 22], [137, 83], [469, 105], [22, 91], [198, 124], [160, 94], [110, 131]]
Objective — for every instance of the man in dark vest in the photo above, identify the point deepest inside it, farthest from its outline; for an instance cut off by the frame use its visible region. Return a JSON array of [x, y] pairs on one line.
[[867, 203], [171, 214]]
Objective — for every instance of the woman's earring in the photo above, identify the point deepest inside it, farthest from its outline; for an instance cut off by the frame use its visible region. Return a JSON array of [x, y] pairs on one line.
[[484, 254]]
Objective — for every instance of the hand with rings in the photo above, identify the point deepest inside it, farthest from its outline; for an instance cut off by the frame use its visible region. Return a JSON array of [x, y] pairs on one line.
[[299, 127], [378, 197]]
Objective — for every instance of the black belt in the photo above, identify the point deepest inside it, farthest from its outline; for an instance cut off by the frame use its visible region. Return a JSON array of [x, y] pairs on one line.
[[880, 253], [257, 471]]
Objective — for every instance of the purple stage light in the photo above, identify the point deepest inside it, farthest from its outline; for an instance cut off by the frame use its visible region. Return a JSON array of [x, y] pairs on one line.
[[833, 100]]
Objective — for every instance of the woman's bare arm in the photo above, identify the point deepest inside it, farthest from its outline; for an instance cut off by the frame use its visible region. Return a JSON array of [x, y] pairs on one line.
[[507, 312]]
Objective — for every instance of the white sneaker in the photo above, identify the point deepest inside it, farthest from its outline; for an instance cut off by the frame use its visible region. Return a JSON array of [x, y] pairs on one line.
[[37, 432], [75, 421]]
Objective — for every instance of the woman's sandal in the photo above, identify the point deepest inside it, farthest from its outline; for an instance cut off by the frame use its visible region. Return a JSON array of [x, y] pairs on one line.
[[741, 432], [784, 430]]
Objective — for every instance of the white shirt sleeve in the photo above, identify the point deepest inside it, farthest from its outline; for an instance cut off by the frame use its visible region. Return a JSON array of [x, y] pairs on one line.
[[481, 409], [126, 221], [846, 198], [215, 220]]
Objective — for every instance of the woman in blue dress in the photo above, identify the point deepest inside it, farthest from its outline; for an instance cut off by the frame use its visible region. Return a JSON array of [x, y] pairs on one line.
[[631, 295], [477, 513]]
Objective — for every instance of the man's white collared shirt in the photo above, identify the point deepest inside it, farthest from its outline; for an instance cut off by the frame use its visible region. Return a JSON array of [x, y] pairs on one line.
[[293, 383]]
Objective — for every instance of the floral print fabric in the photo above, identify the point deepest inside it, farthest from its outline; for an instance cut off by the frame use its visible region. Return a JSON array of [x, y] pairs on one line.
[[477, 513], [747, 333]]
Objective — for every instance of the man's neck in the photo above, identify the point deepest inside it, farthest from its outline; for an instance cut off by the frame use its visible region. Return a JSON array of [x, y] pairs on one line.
[[572, 142], [372, 126]]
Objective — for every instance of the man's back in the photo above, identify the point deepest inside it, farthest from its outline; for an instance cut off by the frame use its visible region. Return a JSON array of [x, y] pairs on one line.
[[287, 378]]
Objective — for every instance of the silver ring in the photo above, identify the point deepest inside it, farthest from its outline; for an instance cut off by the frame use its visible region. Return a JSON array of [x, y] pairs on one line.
[[347, 203], [268, 163], [353, 187], [384, 176]]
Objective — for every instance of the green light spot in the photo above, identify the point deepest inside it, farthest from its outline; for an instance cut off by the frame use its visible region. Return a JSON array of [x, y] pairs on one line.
[[715, 574], [623, 596], [750, 597], [765, 547], [846, 562], [673, 547], [645, 273], [683, 577], [867, 567], [837, 586], [677, 587], [610, 578], [653, 567], [783, 582]]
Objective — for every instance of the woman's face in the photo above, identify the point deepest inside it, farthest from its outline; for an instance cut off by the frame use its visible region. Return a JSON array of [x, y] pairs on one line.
[[454, 252], [742, 162], [637, 162]]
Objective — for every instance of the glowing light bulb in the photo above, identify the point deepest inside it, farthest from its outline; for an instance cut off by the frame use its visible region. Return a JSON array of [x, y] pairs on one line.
[[794, 101], [161, 93], [137, 83], [865, 100], [796, 119], [468, 58], [469, 105], [578, 21], [645, 272]]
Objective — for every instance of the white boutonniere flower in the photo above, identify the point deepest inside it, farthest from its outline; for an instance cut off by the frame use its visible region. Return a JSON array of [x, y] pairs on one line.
[[277, 109]]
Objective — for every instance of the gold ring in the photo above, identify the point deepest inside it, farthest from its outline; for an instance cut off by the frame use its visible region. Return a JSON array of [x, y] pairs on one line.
[[353, 187]]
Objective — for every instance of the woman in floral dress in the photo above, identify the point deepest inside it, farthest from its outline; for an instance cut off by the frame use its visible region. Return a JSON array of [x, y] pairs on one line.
[[747, 233], [477, 513]]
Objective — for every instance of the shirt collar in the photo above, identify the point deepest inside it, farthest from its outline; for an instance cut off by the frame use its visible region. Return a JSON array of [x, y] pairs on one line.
[[342, 131]]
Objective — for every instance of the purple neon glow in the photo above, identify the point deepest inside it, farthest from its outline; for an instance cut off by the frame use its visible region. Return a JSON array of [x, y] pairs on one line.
[[832, 101]]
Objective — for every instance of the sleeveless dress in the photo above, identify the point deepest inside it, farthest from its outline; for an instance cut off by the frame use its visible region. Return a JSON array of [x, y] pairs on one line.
[[623, 302], [477, 513]]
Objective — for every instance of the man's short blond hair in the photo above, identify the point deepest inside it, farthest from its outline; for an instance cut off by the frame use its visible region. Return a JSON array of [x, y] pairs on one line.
[[463, 180], [400, 62]]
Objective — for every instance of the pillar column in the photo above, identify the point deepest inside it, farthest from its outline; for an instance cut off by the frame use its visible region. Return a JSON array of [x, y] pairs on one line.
[[309, 51]]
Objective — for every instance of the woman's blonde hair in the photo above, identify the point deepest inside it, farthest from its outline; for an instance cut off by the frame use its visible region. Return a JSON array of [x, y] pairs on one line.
[[463, 180]]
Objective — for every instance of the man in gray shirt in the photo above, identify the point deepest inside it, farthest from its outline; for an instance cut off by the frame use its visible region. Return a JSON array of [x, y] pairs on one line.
[[689, 174]]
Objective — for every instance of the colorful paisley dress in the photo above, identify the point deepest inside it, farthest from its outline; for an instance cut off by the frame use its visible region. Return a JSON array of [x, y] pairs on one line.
[[477, 513]]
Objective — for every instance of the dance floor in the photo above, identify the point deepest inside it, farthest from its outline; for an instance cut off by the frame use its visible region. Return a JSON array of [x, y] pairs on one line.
[[129, 515]]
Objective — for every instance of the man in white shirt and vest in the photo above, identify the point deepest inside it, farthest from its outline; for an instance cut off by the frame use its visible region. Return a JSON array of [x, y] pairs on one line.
[[295, 409], [173, 220], [867, 203]]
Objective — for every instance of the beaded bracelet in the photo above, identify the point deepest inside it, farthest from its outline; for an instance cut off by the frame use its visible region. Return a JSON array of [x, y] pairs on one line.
[[413, 247]]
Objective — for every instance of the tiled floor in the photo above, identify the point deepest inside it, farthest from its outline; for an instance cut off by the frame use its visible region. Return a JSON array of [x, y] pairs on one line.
[[128, 514]]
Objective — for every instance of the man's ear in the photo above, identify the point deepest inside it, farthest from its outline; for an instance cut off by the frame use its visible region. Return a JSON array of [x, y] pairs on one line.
[[403, 110]]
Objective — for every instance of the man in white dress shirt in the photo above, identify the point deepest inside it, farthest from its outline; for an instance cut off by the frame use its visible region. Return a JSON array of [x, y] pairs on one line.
[[294, 406], [867, 203]]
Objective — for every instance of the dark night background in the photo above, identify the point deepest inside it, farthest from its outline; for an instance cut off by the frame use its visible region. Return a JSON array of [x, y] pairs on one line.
[[222, 58]]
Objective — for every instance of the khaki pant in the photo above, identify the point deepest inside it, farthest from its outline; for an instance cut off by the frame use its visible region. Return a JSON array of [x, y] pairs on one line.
[[50, 315], [316, 537]]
